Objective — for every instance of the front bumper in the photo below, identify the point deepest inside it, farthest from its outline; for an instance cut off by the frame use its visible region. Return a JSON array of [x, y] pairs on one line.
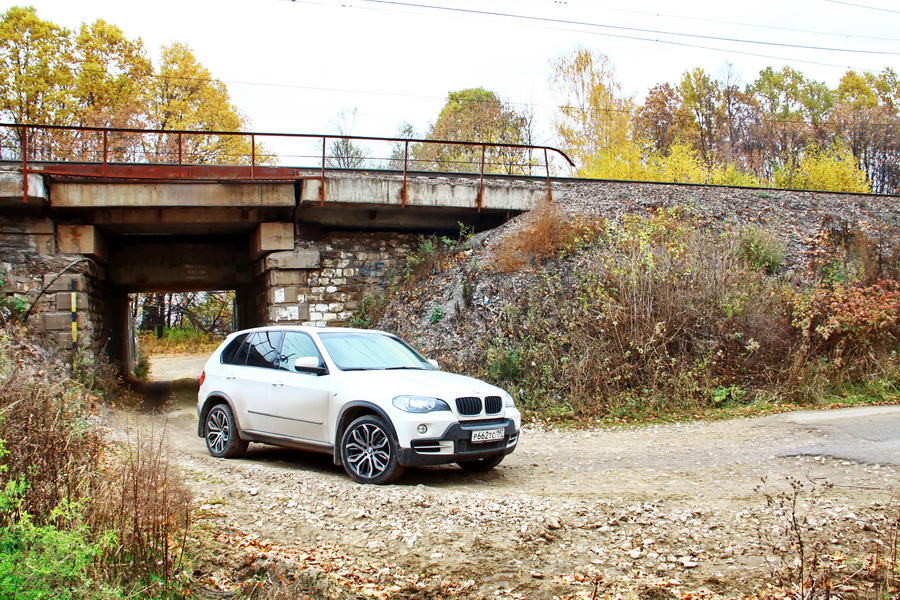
[[456, 444]]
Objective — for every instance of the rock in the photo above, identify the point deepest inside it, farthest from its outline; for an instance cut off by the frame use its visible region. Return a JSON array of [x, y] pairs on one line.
[[552, 522]]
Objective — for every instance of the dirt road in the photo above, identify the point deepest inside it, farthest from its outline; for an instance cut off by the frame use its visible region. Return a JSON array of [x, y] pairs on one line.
[[675, 507]]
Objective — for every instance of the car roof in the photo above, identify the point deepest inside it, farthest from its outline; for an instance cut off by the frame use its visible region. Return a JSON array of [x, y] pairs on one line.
[[309, 329]]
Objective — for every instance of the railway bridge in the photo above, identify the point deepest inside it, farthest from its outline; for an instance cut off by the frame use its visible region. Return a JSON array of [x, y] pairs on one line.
[[86, 220]]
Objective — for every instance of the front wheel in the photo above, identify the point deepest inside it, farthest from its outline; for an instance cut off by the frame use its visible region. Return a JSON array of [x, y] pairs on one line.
[[482, 465], [222, 437], [369, 451]]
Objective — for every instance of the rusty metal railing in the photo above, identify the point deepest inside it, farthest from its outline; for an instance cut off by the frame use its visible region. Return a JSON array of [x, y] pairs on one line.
[[156, 154]]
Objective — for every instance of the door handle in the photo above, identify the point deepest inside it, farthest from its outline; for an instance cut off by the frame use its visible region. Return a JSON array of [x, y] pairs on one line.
[[277, 384]]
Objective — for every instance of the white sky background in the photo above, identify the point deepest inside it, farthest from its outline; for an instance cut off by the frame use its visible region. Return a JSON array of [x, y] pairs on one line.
[[293, 66]]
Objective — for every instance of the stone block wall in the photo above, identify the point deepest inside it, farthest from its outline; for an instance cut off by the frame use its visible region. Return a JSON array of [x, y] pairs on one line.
[[29, 264], [56, 316], [330, 284]]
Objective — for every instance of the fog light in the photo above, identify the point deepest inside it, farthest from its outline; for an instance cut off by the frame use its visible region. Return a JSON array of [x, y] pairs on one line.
[[423, 428]]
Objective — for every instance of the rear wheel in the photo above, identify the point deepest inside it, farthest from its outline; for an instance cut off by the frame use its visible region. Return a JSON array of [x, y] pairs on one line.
[[482, 465], [223, 439], [369, 451]]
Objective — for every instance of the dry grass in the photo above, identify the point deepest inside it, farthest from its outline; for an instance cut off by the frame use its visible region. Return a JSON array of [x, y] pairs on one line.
[[123, 506], [544, 233], [660, 316]]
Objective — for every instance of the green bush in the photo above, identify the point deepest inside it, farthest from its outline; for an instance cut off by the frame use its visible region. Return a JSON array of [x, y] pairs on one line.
[[47, 561]]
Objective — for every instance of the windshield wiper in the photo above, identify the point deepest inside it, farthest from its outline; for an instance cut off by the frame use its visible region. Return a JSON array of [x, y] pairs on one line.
[[398, 368]]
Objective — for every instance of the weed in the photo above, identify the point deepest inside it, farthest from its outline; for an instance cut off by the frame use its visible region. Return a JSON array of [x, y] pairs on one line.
[[657, 316], [370, 309], [801, 559], [796, 537], [437, 315], [762, 249], [12, 306]]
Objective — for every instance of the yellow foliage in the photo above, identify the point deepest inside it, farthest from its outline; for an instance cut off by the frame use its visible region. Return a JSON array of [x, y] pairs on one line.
[[825, 169], [682, 165], [731, 175], [625, 162]]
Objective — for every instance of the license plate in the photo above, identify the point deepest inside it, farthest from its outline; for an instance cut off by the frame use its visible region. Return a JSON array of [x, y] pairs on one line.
[[488, 435]]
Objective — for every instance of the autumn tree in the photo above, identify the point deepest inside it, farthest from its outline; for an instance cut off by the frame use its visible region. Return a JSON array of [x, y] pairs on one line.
[[793, 110], [865, 119], [35, 75], [98, 77], [112, 78], [185, 96], [699, 112], [655, 119], [476, 115], [36, 71], [400, 151], [593, 113], [109, 89]]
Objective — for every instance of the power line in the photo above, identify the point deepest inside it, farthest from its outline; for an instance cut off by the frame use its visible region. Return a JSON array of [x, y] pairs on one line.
[[623, 28], [654, 40], [739, 24], [863, 6]]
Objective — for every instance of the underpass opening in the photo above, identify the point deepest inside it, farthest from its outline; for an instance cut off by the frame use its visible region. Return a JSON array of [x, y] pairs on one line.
[[156, 280]]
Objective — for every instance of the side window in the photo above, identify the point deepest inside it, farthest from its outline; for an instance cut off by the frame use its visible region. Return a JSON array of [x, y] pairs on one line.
[[231, 352], [296, 345], [262, 349]]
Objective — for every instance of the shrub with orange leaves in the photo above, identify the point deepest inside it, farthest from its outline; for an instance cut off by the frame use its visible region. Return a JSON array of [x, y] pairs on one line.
[[849, 322]]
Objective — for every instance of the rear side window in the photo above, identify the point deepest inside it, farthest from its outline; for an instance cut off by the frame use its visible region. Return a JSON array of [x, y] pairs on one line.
[[262, 349], [229, 354], [258, 349]]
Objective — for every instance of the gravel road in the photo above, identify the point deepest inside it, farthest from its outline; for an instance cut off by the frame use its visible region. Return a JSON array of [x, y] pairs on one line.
[[676, 507]]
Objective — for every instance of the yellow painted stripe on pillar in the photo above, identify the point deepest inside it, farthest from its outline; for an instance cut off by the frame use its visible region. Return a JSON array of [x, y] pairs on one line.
[[74, 315]]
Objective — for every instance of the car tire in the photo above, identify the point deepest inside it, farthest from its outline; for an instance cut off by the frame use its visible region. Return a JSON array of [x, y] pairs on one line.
[[223, 438], [482, 465], [369, 451]]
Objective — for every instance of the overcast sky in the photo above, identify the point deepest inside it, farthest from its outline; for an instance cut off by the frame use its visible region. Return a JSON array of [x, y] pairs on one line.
[[293, 66]]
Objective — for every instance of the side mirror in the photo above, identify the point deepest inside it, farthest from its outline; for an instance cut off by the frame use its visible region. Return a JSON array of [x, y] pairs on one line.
[[434, 364], [309, 364]]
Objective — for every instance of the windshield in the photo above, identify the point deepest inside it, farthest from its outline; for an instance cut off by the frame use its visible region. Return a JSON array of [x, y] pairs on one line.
[[357, 351]]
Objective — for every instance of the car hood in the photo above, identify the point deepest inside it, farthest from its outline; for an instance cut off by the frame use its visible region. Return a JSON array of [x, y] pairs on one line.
[[439, 384]]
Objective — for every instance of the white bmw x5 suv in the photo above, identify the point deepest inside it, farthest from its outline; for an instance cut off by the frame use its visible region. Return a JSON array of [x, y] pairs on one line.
[[364, 396]]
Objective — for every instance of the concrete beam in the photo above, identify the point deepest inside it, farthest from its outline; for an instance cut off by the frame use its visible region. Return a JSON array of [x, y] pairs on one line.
[[154, 220], [178, 277], [271, 237], [159, 195], [11, 189], [433, 192], [81, 239]]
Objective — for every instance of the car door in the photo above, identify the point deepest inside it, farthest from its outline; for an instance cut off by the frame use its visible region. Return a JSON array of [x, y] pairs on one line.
[[253, 377], [299, 400]]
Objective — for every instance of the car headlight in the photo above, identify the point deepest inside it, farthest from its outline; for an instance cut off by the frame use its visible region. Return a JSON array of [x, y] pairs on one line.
[[508, 401], [420, 404]]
